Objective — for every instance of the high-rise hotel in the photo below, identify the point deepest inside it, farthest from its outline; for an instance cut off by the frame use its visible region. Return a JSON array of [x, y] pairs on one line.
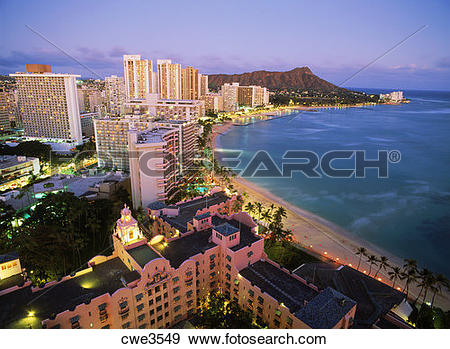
[[138, 76], [190, 83], [48, 104], [115, 95]]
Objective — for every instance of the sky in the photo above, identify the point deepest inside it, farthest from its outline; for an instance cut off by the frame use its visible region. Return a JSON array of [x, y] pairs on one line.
[[334, 38]]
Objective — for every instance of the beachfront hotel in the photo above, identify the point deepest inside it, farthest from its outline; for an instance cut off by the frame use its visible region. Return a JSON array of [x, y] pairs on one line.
[[48, 104], [111, 136], [154, 164], [139, 78], [213, 102], [235, 95], [159, 281]]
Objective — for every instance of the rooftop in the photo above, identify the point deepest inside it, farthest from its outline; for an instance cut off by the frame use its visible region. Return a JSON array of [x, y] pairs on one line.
[[104, 278], [280, 285], [373, 297], [9, 256], [7, 161], [152, 136], [202, 216], [326, 309], [156, 205], [181, 249], [187, 210], [226, 229], [143, 254]]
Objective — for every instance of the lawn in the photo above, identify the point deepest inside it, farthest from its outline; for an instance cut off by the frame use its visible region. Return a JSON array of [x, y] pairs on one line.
[[288, 255]]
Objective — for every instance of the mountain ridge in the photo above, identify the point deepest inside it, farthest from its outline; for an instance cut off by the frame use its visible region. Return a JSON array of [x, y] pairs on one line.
[[297, 78]]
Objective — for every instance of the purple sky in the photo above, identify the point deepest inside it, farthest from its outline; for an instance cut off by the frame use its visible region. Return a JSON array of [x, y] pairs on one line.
[[334, 38]]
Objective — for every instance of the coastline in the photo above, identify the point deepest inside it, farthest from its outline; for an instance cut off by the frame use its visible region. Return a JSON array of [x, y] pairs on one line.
[[320, 235]]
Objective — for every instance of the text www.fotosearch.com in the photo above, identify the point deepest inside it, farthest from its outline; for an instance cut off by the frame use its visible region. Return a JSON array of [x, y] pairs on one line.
[[228, 338]]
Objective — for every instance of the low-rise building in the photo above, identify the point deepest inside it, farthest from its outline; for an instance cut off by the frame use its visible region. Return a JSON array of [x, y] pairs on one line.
[[167, 108], [15, 171], [160, 283]]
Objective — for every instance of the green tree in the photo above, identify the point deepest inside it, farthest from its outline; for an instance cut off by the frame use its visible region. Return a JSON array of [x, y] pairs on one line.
[[383, 264]]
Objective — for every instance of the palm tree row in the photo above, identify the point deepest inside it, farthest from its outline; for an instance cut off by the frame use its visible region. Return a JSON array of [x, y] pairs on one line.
[[410, 273], [273, 217]]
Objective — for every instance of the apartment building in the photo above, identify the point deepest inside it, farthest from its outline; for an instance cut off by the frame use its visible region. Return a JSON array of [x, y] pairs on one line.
[[89, 99], [48, 106], [115, 95], [5, 107], [190, 83], [213, 102], [154, 164], [203, 84], [139, 78], [169, 79], [158, 283]]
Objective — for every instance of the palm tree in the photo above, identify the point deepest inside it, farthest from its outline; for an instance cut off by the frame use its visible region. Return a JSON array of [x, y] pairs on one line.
[[440, 281], [429, 283], [361, 251], [266, 216], [259, 209], [394, 275], [423, 276], [383, 264], [271, 208], [372, 260], [250, 208], [410, 264], [410, 275]]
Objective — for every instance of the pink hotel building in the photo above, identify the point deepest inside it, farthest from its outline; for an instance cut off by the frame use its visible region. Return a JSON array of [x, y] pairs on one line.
[[198, 246]]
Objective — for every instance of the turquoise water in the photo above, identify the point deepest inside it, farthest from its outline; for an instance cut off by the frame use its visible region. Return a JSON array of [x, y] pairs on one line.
[[407, 214]]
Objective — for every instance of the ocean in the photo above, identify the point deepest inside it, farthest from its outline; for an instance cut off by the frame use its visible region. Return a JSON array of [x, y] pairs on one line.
[[408, 213]]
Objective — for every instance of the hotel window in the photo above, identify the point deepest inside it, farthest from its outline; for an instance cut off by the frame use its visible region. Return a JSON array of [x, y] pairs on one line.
[[126, 325], [157, 288], [189, 294], [259, 309], [260, 300], [177, 308], [141, 317], [228, 267], [150, 302], [140, 307], [159, 318], [158, 308], [166, 314], [176, 289], [125, 316], [152, 322], [251, 293], [166, 295], [250, 254], [176, 299], [189, 273], [289, 321], [166, 305], [228, 258], [278, 313], [164, 285], [176, 278], [152, 312], [158, 299], [139, 297], [276, 323]]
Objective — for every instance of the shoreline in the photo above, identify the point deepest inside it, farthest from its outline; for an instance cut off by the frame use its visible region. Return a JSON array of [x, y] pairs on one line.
[[320, 235]]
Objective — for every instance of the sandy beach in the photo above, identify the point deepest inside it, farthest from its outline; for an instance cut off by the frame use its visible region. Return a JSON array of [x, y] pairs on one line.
[[321, 236]]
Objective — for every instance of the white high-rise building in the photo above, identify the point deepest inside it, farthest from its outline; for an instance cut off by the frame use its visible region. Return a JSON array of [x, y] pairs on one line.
[[48, 106], [169, 79], [138, 75]]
